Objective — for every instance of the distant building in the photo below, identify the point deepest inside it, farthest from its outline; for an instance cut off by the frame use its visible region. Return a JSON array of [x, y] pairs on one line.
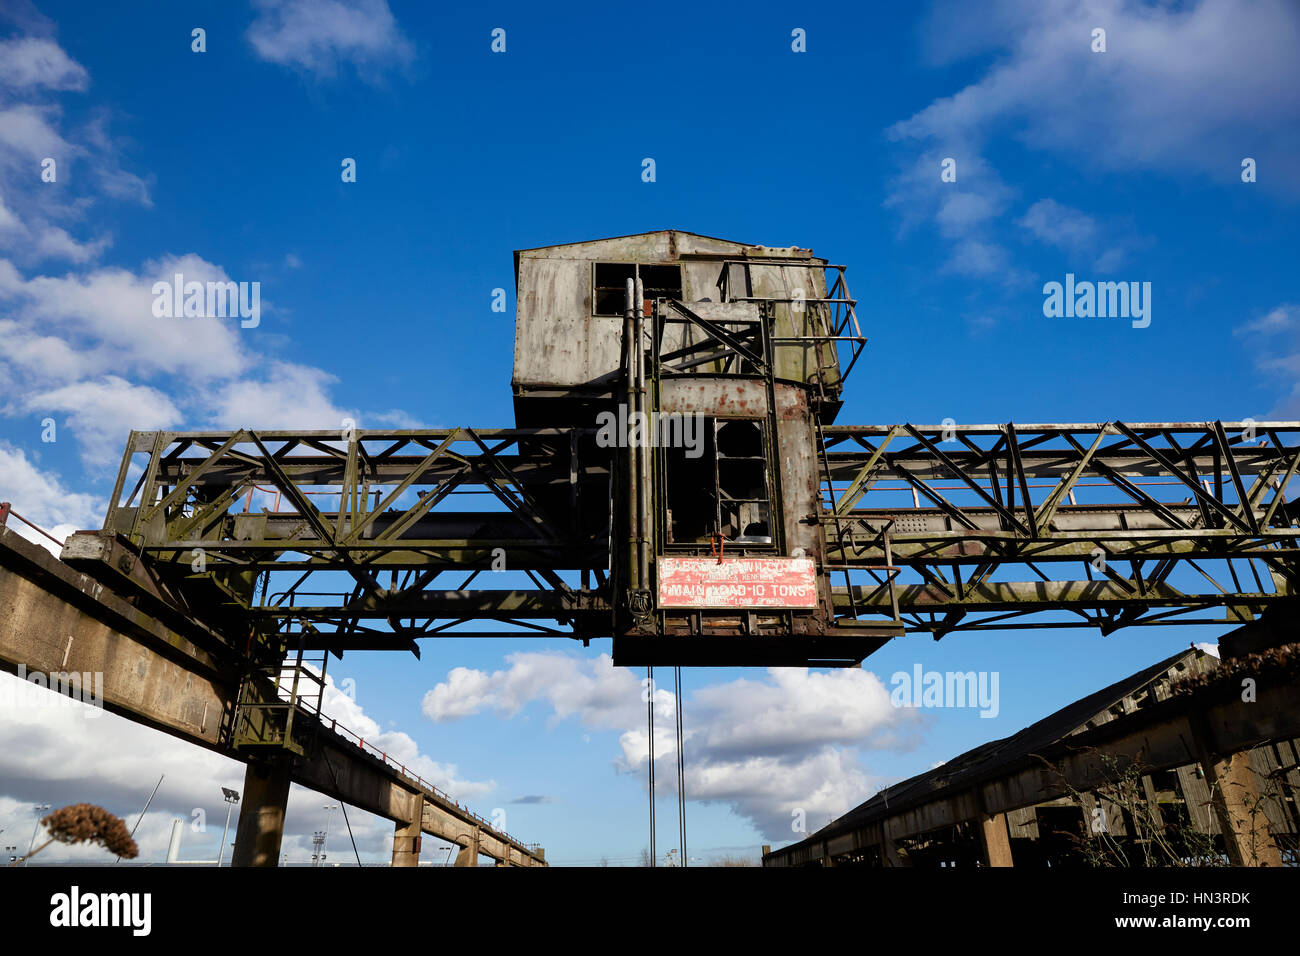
[[1134, 774]]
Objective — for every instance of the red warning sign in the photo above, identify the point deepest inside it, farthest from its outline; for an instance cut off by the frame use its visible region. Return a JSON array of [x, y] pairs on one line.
[[737, 583]]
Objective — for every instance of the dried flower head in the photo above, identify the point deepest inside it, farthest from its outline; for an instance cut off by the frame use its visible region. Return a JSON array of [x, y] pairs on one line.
[[87, 823]]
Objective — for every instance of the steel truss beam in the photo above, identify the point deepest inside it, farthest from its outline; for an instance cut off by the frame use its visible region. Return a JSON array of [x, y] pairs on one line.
[[375, 539], [965, 527], [316, 533]]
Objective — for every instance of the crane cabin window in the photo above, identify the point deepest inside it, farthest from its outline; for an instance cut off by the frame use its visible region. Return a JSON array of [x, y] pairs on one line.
[[609, 284], [723, 491]]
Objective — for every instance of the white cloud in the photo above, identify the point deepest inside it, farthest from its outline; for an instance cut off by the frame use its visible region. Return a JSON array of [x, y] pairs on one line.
[[87, 342], [1283, 318], [27, 136], [765, 747], [1274, 341], [797, 708], [52, 752], [1182, 89], [285, 396], [597, 693], [102, 412], [400, 746], [1075, 232], [965, 212], [53, 242], [1192, 86], [1060, 225], [35, 61], [320, 35], [108, 312], [44, 500], [40, 240]]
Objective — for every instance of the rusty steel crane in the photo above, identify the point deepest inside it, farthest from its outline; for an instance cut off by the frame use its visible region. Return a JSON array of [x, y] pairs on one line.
[[676, 480]]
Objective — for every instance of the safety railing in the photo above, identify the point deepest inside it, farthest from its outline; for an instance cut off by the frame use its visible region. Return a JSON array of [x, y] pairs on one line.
[[401, 768], [6, 509]]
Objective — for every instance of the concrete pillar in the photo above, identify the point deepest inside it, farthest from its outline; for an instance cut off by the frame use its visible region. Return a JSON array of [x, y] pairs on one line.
[[1236, 800], [407, 838], [1237, 804], [995, 840], [261, 814], [468, 855], [889, 853]]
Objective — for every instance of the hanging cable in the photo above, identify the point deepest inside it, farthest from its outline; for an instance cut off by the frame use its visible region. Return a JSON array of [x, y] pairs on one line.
[[681, 767], [650, 714], [343, 806]]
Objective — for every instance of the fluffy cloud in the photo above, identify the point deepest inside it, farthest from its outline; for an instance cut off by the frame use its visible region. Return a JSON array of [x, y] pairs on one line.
[[1180, 87], [86, 343], [44, 500], [55, 751], [39, 62], [1183, 88], [594, 691], [1075, 232], [1274, 339], [320, 35], [284, 396], [109, 313], [102, 412], [767, 748], [343, 707]]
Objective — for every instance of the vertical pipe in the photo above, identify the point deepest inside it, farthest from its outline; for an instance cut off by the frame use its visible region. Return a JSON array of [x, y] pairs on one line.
[[629, 403], [643, 447]]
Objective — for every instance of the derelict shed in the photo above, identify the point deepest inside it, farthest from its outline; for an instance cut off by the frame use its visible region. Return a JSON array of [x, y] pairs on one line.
[[1168, 766]]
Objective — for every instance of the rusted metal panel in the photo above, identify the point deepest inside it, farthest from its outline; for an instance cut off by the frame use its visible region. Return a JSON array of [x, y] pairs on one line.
[[737, 583], [560, 343]]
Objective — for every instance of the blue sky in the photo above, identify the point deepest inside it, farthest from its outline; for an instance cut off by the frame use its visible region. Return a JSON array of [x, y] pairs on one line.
[[1123, 164]]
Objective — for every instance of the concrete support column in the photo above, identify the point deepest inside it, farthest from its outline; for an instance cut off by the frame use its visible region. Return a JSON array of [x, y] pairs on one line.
[[1236, 800], [407, 838], [468, 855], [1237, 804], [261, 814], [995, 840], [889, 853]]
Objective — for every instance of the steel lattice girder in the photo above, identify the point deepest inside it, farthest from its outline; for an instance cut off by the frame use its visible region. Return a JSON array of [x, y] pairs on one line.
[[989, 517], [220, 512], [1133, 504]]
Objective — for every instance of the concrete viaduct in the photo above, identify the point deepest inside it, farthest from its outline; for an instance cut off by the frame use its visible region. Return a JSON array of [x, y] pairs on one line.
[[54, 619]]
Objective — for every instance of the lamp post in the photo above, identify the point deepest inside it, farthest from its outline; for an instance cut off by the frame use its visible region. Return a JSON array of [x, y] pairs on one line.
[[231, 797], [40, 808], [325, 834]]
